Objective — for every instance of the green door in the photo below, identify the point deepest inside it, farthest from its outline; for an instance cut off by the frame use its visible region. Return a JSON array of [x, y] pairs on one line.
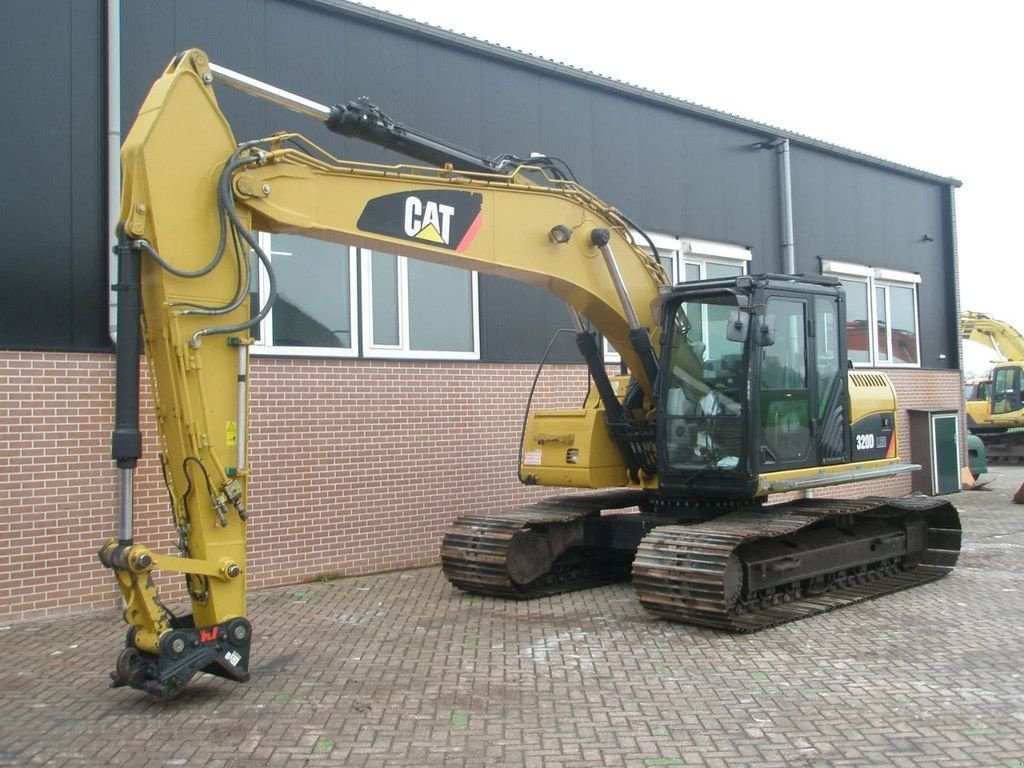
[[945, 453]]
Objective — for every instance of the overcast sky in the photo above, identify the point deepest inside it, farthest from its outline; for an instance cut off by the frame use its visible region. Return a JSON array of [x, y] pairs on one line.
[[933, 85]]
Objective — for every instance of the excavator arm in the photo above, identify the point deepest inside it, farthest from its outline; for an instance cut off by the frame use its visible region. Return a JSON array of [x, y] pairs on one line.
[[1002, 338], [192, 199]]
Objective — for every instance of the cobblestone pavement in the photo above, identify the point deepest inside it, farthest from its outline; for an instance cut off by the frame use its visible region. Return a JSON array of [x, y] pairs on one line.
[[402, 670]]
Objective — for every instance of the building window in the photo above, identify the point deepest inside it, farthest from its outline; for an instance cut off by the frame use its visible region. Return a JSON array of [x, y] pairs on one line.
[[416, 309], [686, 260], [881, 314], [410, 309], [316, 298]]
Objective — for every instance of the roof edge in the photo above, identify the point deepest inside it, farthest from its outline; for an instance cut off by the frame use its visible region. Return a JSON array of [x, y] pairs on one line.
[[493, 50]]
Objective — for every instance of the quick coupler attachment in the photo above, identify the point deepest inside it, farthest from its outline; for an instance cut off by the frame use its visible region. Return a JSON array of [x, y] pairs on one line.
[[221, 650]]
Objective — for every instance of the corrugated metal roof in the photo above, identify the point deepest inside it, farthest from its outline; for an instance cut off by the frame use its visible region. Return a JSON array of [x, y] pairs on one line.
[[456, 39]]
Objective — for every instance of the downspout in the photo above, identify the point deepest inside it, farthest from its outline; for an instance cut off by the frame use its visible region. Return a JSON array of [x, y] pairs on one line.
[[786, 209], [954, 261], [113, 152]]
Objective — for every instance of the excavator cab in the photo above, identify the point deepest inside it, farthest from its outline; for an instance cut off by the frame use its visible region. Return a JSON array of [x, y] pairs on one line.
[[1006, 391], [752, 382]]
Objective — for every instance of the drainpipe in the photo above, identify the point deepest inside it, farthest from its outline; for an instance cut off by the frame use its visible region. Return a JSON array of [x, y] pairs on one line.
[[113, 151], [781, 146], [786, 209]]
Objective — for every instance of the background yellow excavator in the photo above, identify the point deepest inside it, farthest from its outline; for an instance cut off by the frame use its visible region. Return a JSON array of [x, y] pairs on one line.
[[736, 388], [994, 402]]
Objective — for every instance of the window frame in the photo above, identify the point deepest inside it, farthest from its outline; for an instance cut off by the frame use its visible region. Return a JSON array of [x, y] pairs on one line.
[[680, 251], [876, 278], [401, 351], [264, 345]]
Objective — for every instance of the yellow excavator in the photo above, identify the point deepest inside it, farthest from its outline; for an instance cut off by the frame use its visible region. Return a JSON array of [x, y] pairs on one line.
[[735, 389], [994, 403]]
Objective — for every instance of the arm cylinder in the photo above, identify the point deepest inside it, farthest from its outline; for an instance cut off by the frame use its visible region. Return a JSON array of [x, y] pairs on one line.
[[278, 96], [126, 440], [360, 119]]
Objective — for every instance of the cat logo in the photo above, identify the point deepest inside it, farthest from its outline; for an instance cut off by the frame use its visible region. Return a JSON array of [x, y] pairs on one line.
[[428, 221], [441, 217]]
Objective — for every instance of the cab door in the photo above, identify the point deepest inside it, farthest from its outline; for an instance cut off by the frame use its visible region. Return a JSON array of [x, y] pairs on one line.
[[801, 419], [830, 422], [1006, 394], [786, 401]]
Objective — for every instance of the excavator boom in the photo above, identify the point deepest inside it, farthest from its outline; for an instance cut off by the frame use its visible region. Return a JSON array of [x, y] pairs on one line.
[[1002, 338]]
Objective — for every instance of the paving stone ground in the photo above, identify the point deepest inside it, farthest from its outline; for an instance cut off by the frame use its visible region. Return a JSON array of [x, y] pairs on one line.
[[402, 670]]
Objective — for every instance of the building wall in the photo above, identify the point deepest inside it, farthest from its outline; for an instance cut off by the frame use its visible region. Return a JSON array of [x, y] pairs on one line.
[[676, 169], [873, 218], [357, 466]]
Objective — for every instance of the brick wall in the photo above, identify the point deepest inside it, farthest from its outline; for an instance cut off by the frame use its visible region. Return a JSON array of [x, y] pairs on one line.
[[358, 466], [927, 389], [56, 482]]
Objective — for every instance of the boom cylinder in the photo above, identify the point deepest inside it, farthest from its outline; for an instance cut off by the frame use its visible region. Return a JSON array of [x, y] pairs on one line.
[[601, 238], [639, 339]]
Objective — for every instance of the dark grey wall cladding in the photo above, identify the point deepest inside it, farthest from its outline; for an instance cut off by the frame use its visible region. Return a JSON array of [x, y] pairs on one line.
[[856, 213], [233, 32], [672, 172], [520, 321], [53, 258]]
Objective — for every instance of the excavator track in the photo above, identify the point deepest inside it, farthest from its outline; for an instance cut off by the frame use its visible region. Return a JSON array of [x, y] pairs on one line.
[[537, 550], [703, 573], [1003, 448], [741, 571]]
